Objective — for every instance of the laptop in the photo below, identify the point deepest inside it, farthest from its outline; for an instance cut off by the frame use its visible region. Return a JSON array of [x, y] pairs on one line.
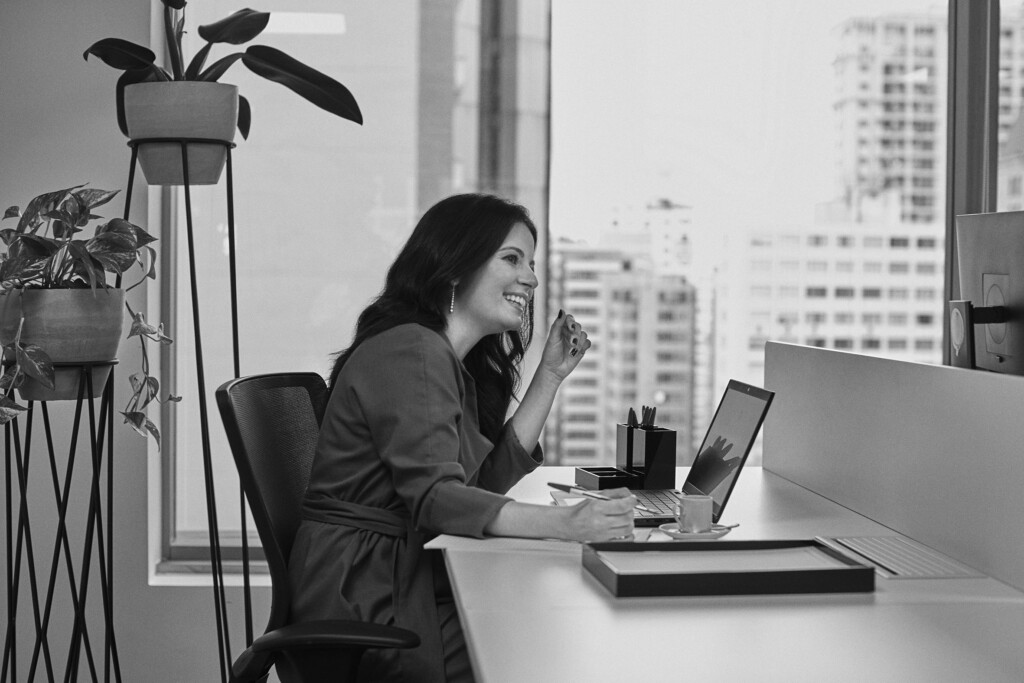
[[720, 458]]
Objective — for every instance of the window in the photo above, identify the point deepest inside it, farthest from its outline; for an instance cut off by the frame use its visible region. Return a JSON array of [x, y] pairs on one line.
[[436, 146], [352, 191], [844, 292]]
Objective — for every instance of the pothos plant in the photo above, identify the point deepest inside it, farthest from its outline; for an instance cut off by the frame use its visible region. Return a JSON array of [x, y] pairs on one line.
[[139, 63], [45, 251]]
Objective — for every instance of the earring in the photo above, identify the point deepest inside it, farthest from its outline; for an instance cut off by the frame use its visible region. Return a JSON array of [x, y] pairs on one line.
[[451, 306], [524, 327]]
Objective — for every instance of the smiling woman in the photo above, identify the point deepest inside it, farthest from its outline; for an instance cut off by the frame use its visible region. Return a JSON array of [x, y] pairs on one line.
[[415, 443]]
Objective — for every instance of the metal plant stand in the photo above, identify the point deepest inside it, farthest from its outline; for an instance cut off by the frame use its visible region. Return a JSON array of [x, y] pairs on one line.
[[216, 561], [96, 550]]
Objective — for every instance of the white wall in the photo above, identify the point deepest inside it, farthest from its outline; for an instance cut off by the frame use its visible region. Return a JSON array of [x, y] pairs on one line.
[[57, 129]]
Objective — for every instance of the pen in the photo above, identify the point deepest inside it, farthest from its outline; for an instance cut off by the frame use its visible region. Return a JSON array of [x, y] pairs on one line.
[[588, 493]]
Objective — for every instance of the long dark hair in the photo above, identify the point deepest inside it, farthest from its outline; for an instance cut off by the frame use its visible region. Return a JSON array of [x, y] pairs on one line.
[[452, 240]]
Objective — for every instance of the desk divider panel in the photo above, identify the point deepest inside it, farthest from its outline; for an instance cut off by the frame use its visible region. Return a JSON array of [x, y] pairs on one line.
[[935, 453]]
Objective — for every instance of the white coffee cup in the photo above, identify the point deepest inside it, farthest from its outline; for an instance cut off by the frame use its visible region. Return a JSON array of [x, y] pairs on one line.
[[693, 514]]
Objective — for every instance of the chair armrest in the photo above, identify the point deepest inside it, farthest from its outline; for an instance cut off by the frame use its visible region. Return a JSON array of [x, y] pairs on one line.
[[335, 633]]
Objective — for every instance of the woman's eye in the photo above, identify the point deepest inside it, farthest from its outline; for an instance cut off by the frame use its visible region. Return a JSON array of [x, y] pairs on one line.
[[512, 258]]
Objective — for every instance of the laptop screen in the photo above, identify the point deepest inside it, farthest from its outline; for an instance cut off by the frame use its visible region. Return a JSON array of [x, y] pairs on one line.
[[727, 443]]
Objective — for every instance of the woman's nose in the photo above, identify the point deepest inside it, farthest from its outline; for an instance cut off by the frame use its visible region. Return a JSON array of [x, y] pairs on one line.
[[530, 279]]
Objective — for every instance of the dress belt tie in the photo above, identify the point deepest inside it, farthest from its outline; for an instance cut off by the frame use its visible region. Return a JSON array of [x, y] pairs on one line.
[[414, 602]]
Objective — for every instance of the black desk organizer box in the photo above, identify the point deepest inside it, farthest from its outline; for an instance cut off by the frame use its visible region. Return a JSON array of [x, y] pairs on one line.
[[645, 458]]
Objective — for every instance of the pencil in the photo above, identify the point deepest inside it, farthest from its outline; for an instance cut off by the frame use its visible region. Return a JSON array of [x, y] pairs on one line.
[[588, 493]]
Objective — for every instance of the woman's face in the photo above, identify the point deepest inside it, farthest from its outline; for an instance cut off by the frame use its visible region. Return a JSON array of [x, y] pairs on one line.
[[495, 297]]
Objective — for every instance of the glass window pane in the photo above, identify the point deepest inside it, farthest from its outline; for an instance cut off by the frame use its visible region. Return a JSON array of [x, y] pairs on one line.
[[453, 95], [773, 157]]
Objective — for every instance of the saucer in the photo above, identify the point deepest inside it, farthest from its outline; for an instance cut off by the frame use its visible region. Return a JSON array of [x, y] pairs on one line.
[[717, 531]]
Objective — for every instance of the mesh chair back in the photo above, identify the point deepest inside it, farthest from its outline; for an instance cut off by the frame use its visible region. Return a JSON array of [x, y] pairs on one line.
[[272, 423]]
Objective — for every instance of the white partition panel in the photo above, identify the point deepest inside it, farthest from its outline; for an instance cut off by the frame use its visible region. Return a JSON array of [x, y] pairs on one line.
[[935, 453]]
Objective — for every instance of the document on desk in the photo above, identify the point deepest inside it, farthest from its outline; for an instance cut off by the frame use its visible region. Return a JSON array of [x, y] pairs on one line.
[[711, 561], [502, 544]]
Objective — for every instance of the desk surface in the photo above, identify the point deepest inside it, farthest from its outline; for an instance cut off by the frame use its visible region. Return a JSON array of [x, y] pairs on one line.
[[531, 613]]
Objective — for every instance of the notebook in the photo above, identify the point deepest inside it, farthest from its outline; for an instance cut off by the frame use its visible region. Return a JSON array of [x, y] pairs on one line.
[[720, 458]]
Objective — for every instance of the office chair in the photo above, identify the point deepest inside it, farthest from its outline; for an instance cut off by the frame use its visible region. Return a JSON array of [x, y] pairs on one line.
[[272, 422]]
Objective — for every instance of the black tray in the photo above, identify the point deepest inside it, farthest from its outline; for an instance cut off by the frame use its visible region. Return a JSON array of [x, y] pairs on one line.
[[597, 478], [781, 567]]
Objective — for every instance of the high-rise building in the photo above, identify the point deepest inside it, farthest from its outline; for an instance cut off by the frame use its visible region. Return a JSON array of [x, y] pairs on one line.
[[891, 114], [866, 275], [639, 310]]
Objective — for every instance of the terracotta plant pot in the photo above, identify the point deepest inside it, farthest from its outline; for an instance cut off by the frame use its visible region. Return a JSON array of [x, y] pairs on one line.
[[71, 326], [181, 109]]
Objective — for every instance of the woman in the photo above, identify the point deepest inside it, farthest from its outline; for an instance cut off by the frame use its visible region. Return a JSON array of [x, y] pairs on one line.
[[415, 442]]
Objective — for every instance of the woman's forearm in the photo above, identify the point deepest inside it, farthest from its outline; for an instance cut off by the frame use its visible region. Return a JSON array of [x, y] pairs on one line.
[[530, 521], [589, 520], [529, 418]]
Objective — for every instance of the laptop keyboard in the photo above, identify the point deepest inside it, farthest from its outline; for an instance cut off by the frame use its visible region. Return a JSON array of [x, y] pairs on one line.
[[660, 502]]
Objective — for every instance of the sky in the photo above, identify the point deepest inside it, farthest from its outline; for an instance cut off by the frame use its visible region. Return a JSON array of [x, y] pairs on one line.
[[722, 105]]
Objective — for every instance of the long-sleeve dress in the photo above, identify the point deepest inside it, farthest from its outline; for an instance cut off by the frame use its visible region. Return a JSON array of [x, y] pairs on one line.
[[400, 459]]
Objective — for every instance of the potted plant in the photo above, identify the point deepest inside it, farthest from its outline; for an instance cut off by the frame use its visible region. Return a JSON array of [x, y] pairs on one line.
[[186, 101], [57, 307]]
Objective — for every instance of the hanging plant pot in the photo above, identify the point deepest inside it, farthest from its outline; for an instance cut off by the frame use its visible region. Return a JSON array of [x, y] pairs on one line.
[[181, 109], [71, 326]]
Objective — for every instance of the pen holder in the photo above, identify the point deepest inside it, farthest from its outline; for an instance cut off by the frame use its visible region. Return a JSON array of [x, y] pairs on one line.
[[624, 446], [653, 455]]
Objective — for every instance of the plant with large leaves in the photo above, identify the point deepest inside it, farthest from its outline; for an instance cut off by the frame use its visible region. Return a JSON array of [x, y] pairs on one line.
[[139, 63], [45, 252]]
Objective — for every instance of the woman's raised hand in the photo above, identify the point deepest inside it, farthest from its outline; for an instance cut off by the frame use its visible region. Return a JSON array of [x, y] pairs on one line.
[[566, 345], [604, 520]]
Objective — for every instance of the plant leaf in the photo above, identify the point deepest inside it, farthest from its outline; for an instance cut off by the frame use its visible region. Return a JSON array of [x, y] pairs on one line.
[[217, 69], [240, 27], [244, 117], [35, 363], [173, 46], [147, 391], [317, 87], [196, 65], [142, 237], [92, 197], [142, 424], [85, 265], [63, 229], [12, 212], [9, 410], [39, 206], [113, 250], [35, 247], [121, 54]]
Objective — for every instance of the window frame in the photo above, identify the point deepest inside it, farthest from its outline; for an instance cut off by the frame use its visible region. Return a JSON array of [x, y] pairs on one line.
[[971, 184]]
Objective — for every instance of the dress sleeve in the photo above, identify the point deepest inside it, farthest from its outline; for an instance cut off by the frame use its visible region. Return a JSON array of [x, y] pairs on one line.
[[508, 462], [408, 390]]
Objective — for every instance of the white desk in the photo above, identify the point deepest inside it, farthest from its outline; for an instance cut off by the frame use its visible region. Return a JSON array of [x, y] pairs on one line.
[[531, 613]]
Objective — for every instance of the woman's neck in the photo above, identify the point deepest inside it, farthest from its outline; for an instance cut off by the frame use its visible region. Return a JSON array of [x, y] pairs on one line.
[[461, 335]]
